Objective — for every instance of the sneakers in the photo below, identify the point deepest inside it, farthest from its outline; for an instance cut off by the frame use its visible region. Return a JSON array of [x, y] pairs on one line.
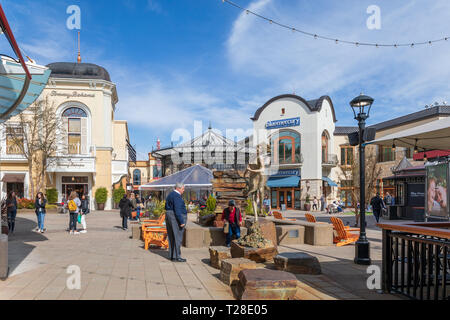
[[76, 232], [83, 231], [71, 232]]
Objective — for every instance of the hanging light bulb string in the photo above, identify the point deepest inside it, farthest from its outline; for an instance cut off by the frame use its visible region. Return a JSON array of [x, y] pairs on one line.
[[337, 41]]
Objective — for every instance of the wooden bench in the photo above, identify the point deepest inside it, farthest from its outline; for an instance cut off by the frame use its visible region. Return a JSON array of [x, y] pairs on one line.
[[155, 235]]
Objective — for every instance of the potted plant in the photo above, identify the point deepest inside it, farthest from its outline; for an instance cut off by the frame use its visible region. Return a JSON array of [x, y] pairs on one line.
[[307, 204], [118, 195], [101, 195]]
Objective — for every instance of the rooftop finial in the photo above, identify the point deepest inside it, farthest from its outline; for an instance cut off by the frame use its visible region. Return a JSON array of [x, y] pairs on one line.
[[79, 49], [210, 126]]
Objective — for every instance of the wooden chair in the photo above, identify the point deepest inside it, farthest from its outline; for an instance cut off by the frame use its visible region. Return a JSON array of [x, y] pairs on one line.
[[155, 235], [279, 216], [310, 218], [150, 222], [343, 234]]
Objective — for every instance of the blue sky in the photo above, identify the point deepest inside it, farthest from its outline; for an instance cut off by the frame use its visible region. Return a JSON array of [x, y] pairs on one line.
[[177, 61]]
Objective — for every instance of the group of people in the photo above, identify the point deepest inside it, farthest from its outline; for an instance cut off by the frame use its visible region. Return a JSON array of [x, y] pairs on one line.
[[78, 209], [128, 204]]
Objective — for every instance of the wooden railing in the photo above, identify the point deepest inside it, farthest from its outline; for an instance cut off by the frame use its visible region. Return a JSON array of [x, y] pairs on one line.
[[416, 260]]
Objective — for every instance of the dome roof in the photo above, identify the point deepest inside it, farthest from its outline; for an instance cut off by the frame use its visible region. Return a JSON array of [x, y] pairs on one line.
[[78, 71]]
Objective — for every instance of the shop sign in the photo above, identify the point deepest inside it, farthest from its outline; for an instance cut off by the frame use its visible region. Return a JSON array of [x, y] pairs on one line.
[[276, 124], [287, 173], [73, 94]]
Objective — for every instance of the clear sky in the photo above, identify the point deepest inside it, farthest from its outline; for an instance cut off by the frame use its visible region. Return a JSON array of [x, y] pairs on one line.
[[180, 61]]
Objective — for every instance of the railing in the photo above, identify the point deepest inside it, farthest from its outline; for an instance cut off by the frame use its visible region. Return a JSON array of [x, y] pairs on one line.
[[416, 263], [330, 159]]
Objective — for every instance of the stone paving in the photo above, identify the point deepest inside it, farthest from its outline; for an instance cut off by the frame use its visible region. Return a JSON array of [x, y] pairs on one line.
[[113, 266]]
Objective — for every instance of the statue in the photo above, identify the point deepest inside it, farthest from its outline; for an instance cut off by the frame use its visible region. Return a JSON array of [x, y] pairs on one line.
[[257, 180]]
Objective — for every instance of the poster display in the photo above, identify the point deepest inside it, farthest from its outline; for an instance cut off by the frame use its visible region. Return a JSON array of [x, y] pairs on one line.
[[437, 190]]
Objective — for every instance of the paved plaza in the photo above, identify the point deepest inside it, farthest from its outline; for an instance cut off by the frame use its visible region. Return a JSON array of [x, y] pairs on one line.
[[113, 266]]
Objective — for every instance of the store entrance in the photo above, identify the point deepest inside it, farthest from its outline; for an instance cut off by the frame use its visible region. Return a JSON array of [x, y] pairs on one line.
[[286, 197], [78, 184]]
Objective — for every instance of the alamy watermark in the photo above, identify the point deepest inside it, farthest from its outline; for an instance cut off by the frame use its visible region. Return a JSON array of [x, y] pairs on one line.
[[73, 282], [374, 20], [374, 280], [74, 20]]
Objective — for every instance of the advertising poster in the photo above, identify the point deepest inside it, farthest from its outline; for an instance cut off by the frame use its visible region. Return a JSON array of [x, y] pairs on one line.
[[437, 191]]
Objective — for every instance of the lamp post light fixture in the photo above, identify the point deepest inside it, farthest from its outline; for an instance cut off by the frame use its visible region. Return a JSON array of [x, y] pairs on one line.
[[361, 106]]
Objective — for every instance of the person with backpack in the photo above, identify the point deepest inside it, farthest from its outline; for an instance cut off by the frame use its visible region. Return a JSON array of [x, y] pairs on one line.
[[73, 205], [40, 204], [125, 211], [84, 211]]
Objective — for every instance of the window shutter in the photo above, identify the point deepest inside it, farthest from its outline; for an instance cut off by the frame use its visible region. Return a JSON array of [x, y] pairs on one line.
[[84, 146], [65, 134]]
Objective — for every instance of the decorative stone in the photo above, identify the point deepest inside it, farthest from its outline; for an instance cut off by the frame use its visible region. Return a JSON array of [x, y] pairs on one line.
[[268, 229], [255, 254], [265, 284], [229, 272], [217, 254], [297, 262]]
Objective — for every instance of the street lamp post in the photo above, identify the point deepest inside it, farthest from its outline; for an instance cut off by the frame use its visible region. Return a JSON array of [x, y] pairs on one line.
[[361, 106]]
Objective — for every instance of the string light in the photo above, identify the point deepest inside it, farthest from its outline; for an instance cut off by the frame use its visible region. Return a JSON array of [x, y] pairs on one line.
[[425, 158], [316, 36]]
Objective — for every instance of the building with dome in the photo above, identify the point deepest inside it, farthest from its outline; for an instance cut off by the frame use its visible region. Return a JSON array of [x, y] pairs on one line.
[[94, 151]]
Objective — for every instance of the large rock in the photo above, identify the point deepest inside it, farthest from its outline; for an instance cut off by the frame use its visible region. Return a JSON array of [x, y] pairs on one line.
[[217, 254], [229, 272], [255, 254], [207, 220], [265, 284], [297, 262]]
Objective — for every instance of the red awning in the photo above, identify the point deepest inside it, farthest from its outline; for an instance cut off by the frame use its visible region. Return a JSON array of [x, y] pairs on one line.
[[431, 154]]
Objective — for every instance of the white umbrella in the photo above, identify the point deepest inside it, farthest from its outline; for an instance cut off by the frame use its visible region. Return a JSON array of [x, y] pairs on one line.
[[434, 135]]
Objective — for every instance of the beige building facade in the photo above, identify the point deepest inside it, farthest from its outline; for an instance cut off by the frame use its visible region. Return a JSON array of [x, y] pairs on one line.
[[93, 150]]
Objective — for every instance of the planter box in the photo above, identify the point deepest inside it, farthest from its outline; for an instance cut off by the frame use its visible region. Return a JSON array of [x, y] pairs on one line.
[[254, 254]]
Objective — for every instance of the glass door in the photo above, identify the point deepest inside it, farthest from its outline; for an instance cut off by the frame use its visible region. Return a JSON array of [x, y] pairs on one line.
[[289, 199], [281, 198]]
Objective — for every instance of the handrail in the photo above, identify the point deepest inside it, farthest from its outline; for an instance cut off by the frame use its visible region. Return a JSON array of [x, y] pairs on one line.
[[434, 229]]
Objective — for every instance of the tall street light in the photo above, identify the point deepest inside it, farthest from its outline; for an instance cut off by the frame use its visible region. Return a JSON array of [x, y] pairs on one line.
[[361, 106]]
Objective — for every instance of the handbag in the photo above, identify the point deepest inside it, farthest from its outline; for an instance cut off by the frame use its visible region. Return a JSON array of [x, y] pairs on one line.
[[226, 227]]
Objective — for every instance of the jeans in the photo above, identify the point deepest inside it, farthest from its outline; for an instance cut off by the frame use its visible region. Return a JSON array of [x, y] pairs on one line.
[[73, 221], [376, 214], [138, 213], [234, 229], [125, 222], [12, 220], [41, 220]]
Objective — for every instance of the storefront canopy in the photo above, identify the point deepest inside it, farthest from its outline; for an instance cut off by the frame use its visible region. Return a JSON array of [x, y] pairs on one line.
[[330, 182], [434, 135], [194, 177], [283, 182]]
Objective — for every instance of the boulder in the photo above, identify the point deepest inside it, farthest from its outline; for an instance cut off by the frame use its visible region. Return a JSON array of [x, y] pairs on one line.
[[217, 254], [298, 262], [230, 269], [265, 284], [207, 220], [255, 254]]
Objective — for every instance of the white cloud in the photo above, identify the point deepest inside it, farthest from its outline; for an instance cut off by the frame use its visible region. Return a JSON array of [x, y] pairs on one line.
[[403, 77]]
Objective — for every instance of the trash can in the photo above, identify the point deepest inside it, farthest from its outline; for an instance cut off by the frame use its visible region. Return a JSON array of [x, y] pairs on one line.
[[3, 256]]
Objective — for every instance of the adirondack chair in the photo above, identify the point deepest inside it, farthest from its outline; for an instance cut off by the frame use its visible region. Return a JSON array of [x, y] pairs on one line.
[[279, 216], [149, 222], [343, 234], [155, 235]]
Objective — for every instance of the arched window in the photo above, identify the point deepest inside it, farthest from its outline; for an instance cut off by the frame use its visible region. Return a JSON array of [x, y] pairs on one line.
[[286, 147], [137, 177], [325, 140], [75, 123]]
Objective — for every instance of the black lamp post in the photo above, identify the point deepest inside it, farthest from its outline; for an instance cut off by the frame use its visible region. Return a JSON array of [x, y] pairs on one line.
[[361, 109]]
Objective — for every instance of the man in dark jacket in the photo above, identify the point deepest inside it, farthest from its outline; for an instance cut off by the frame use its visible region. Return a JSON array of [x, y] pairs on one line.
[[233, 216], [377, 204], [176, 218], [125, 211]]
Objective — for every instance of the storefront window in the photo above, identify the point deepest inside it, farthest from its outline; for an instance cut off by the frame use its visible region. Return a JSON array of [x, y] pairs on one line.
[[137, 177], [274, 199], [286, 147]]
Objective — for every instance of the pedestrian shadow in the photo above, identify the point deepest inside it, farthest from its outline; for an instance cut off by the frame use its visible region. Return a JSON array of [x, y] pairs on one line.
[[18, 243]]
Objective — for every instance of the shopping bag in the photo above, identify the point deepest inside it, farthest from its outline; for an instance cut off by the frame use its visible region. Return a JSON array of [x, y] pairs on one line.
[[79, 218]]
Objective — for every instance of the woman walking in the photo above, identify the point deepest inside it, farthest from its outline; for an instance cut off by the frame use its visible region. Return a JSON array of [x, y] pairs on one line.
[[40, 204], [11, 204], [84, 211], [73, 205], [125, 211]]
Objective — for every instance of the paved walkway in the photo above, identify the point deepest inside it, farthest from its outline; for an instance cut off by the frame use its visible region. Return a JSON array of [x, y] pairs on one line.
[[113, 266]]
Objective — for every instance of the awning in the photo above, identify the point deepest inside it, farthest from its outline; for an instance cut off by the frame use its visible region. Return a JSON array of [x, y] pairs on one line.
[[14, 177], [330, 182], [283, 182], [434, 135]]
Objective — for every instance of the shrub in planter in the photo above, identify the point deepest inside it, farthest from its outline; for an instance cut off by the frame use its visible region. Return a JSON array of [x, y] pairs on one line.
[[101, 196], [52, 195], [118, 194], [211, 204]]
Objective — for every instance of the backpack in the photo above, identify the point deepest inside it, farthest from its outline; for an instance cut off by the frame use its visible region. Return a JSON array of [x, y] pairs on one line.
[[72, 206]]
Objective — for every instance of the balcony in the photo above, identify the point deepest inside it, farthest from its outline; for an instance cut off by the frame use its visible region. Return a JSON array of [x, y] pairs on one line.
[[288, 165], [329, 160]]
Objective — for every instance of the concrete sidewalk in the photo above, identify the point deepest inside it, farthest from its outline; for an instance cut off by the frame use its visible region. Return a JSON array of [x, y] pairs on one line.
[[113, 266]]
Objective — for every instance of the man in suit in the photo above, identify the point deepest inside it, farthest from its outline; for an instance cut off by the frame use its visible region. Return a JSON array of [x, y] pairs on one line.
[[176, 217]]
